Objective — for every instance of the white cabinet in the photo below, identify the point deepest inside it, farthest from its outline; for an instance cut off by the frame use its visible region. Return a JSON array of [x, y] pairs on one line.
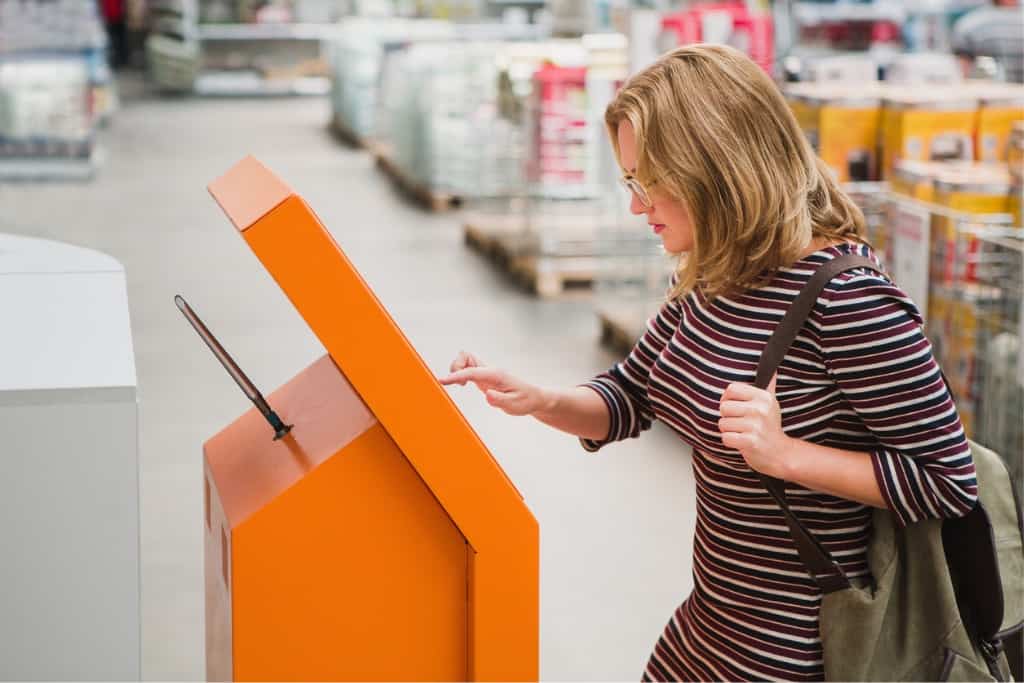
[[69, 473]]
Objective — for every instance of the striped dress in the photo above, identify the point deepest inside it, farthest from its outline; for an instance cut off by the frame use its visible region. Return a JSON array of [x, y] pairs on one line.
[[860, 376]]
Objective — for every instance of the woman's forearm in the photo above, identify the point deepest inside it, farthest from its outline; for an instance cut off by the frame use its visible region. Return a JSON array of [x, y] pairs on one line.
[[579, 411], [846, 474]]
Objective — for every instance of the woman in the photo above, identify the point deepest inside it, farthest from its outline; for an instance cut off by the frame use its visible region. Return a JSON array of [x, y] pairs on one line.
[[856, 417]]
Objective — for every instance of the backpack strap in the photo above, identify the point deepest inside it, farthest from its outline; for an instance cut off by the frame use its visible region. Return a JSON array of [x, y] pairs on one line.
[[825, 571]]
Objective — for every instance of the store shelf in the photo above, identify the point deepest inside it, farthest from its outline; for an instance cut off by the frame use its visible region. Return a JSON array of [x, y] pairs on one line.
[[250, 84], [211, 32], [233, 57]]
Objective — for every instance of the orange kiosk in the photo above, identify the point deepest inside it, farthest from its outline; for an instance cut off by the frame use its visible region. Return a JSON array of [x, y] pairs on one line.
[[378, 539]]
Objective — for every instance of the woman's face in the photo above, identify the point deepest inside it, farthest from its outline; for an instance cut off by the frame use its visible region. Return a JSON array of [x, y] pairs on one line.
[[667, 216]]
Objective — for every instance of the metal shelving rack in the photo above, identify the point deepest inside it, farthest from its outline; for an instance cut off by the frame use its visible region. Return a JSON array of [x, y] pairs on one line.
[[222, 46], [1000, 267], [189, 51], [964, 271]]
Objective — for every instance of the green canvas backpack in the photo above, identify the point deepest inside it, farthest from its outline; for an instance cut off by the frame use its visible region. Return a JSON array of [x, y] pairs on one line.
[[947, 597]]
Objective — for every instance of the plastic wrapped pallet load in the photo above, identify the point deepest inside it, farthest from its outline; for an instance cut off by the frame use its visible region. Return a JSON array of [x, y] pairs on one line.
[[356, 55], [173, 64], [452, 112], [440, 121], [44, 110]]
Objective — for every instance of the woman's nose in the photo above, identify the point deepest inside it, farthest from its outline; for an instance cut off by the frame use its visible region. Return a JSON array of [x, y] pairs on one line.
[[636, 207]]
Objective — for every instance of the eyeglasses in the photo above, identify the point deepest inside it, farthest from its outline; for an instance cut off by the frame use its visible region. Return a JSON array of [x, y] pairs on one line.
[[638, 190]]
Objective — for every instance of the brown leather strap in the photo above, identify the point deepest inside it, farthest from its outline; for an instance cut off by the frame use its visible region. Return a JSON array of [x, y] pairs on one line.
[[796, 316], [825, 571]]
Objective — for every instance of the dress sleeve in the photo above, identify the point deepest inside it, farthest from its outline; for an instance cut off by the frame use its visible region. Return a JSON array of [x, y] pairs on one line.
[[624, 386], [874, 347]]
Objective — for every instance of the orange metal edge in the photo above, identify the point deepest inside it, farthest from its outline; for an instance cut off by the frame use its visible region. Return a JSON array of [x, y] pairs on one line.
[[505, 613], [473, 489], [248, 191]]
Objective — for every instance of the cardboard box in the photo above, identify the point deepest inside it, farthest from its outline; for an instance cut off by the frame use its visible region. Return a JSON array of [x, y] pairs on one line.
[[842, 123], [1000, 105], [970, 189], [926, 125], [1015, 150], [915, 179], [1017, 202]]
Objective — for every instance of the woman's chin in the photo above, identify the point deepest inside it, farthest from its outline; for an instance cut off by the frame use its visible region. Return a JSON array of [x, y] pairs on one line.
[[674, 249]]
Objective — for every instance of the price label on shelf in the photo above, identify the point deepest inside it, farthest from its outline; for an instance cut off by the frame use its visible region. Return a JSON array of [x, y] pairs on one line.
[[911, 239]]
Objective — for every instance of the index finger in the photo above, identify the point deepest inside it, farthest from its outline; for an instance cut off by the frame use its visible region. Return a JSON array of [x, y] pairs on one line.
[[470, 375], [464, 360]]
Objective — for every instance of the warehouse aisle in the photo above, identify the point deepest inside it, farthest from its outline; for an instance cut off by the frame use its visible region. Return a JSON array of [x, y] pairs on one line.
[[616, 527]]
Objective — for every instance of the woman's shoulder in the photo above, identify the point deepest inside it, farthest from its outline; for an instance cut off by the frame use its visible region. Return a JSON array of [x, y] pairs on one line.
[[865, 292], [856, 276]]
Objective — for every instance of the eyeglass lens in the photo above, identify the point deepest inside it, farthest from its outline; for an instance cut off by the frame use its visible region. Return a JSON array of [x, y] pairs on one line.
[[634, 186]]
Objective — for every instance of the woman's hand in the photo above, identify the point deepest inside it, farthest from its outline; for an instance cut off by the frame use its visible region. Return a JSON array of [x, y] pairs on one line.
[[752, 424], [464, 360], [502, 390]]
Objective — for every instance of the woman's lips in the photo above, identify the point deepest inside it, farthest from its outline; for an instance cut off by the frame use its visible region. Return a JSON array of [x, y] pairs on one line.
[[658, 227]]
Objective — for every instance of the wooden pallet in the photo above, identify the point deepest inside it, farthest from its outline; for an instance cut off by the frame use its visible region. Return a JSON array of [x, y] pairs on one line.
[[435, 201], [552, 276], [514, 252], [621, 326], [344, 134], [501, 240]]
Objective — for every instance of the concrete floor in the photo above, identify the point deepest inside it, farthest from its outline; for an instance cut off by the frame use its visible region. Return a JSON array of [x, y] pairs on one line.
[[616, 528]]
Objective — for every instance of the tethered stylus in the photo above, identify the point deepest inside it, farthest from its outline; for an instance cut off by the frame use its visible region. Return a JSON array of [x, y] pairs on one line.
[[247, 387]]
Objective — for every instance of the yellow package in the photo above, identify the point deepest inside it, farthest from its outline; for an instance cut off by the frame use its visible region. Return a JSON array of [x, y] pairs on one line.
[[960, 358], [905, 177], [937, 324], [926, 125], [971, 319], [1015, 150], [1017, 202], [842, 123], [999, 106], [976, 189], [916, 179]]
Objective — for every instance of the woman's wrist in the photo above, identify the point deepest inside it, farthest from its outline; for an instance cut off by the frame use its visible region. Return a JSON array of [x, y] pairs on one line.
[[547, 400], [789, 466]]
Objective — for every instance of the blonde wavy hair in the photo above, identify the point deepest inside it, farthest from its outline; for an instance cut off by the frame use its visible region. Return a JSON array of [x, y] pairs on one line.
[[713, 130]]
